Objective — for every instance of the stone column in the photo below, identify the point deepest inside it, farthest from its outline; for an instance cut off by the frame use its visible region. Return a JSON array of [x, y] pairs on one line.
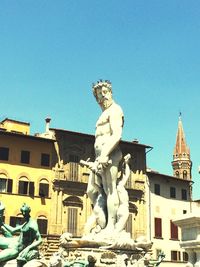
[[197, 264], [191, 258]]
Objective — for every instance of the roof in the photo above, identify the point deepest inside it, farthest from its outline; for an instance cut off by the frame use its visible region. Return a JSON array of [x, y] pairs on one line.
[[36, 138], [135, 143], [153, 172], [181, 146], [21, 122]]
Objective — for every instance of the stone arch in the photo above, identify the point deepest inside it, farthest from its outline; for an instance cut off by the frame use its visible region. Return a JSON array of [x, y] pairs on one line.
[[177, 173], [4, 173], [185, 174]]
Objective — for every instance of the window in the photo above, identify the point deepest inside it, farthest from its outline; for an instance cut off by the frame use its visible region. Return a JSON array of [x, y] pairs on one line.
[[185, 256], [177, 174], [184, 174], [158, 227], [26, 187], [14, 221], [184, 194], [172, 192], [175, 255], [72, 221], [5, 184], [25, 157], [4, 153], [184, 211], [157, 189], [42, 225], [44, 189], [45, 159], [74, 167], [173, 231], [74, 206]]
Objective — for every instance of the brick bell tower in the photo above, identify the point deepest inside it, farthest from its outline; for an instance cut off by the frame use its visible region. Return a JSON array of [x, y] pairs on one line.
[[181, 164]]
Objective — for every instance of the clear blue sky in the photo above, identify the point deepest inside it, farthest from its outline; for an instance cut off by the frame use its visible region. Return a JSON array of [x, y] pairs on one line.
[[52, 51]]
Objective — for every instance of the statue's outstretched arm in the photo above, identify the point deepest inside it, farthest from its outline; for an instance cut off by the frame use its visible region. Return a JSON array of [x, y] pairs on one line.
[[11, 229]]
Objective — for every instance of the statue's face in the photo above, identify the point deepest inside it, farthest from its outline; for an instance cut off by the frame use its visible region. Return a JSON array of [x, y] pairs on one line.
[[104, 97], [25, 211]]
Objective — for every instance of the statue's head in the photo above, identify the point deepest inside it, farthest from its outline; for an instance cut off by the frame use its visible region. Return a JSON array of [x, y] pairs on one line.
[[102, 91], [25, 209]]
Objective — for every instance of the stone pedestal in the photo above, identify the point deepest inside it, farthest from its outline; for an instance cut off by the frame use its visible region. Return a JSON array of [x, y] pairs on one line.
[[190, 239], [101, 251]]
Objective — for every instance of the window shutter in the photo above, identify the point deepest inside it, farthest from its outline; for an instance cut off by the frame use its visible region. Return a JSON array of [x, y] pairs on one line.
[[158, 227], [174, 230], [10, 184], [31, 188]]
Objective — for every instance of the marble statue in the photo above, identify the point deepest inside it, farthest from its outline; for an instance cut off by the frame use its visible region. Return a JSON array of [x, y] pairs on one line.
[[102, 184], [24, 247]]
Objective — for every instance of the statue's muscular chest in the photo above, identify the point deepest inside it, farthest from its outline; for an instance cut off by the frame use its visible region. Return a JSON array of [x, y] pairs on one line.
[[103, 119]]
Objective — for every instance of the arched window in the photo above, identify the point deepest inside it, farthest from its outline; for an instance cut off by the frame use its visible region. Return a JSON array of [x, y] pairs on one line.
[[42, 224], [44, 188], [177, 174], [184, 174], [5, 184], [74, 204], [25, 186]]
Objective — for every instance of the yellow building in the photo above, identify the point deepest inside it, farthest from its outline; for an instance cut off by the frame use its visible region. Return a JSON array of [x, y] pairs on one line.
[[25, 173]]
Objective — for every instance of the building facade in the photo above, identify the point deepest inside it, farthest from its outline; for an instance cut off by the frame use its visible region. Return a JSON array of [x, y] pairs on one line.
[[25, 173]]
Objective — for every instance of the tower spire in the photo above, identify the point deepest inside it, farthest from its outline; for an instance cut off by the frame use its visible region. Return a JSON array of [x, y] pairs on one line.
[[181, 157]]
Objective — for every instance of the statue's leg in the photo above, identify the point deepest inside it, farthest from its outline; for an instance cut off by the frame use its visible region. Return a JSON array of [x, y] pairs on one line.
[[91, 190], [100, 210], [8, 254], [109, 179]]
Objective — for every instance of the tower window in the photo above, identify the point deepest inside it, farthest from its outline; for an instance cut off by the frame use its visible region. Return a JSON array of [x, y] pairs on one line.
[[177, 174], [184, 174]]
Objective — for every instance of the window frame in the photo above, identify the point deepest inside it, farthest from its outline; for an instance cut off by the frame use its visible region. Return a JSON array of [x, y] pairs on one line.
[[8, 185], [184, 194], [173, 192], [173, 231], [25, 157], [4, 153], [158, 228], [30, 188], [157, 189], [45, 160]]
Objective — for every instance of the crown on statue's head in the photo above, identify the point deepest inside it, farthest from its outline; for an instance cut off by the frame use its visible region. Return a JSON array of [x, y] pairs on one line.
[[99, 84]]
